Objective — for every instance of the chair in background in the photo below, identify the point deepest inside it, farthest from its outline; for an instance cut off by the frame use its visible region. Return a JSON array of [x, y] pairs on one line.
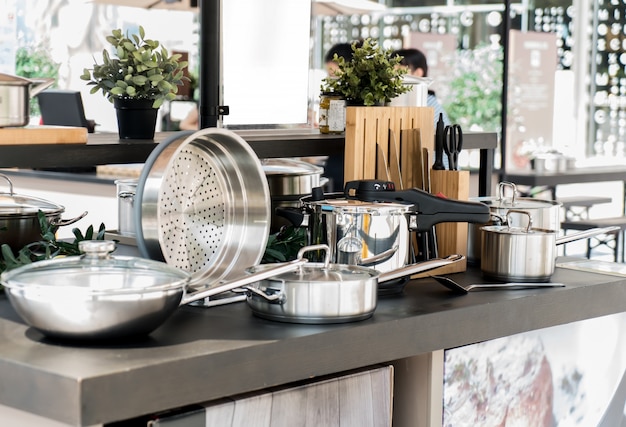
[[61, 107]]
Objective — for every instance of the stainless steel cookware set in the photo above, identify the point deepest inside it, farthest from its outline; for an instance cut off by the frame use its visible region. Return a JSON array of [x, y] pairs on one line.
[[201, 216]]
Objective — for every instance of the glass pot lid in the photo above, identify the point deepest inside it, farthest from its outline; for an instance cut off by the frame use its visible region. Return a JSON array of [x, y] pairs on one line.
[[12, 204], [97, 272]]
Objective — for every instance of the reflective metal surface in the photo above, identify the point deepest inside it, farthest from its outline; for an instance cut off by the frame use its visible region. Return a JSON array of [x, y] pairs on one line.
[[203, 205]]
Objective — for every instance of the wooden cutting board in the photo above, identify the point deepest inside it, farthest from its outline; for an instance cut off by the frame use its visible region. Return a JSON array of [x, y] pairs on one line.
[[43, 135]]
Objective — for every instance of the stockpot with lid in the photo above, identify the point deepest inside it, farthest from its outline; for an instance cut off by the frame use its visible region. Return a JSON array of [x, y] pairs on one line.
[[19, 217], [289, 180], [544, 214]]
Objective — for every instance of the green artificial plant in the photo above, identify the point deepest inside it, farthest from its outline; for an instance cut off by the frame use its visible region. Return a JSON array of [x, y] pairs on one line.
[[139, 70], [371, 77]]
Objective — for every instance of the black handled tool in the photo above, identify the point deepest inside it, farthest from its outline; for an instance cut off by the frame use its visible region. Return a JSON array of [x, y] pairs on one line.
[[430, 209], [439, 141]]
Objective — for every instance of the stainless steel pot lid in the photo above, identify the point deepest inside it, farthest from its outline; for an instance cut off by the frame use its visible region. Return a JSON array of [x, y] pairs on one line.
[[203, 205], [289, 167], [334, 273], [319, 272], [96, 272], [513, 202], [518, 203], [12, 204]]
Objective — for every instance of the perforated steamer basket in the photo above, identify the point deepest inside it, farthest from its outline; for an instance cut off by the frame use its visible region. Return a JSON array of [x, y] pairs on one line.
[[203, 205]]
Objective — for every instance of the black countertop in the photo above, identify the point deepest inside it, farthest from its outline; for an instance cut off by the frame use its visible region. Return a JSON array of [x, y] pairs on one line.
[[201, 354]]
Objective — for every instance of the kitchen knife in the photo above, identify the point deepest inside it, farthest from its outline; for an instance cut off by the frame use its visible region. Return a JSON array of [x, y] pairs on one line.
[[439, 135], [382, 167], [394, 162]]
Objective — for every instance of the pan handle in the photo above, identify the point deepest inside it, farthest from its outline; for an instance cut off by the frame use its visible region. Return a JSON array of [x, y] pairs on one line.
[[592, 232], [419, 267], [243, 281], [63, 222], [377, 259]]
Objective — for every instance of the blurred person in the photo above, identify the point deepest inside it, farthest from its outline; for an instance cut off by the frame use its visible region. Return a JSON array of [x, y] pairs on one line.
[[417, 66], [342, 50]]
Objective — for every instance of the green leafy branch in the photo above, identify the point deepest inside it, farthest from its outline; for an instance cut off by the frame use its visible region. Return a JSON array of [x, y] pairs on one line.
[[48, 247], [284, 245]]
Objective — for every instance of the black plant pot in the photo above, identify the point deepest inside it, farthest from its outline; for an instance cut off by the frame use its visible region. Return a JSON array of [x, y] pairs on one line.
[[136, 118]]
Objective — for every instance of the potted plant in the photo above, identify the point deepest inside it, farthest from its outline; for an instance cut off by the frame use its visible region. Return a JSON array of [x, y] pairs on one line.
[[137, 79], [371, 77]]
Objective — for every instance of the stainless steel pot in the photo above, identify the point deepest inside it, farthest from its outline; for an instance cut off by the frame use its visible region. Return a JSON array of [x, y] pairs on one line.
[[369, 224], [126, 190], [545, 214], [325, 292], [97, 296], [361, 233], [19, 221], [289, 180], [15, 94], [524, 254]]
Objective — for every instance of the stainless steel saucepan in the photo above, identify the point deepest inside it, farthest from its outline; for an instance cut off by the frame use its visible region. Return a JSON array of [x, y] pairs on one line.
[[15, 94], [524, 254], [325, 292], [545, 214]]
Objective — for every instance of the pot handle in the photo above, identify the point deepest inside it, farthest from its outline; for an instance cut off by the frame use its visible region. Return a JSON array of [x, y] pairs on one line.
[[429, 209], [501, 186], [296, 216], [9, 182], [419, 267], [278, 298], [63, 222], [529, 226], [42, 84], [585, 234]]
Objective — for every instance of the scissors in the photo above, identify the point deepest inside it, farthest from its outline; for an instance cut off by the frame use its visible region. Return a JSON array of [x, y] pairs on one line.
[[452, 145]]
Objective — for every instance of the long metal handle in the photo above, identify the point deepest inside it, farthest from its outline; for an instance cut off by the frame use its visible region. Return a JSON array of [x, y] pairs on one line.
[[243, 281], [592, 232], [514, 285], [419, 267]]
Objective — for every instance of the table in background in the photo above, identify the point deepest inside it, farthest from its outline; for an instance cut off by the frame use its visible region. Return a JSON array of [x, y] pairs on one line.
[[574, 176]]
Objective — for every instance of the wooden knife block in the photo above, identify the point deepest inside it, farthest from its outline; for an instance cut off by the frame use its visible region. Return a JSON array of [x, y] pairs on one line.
[[368, 126], [451, 236]]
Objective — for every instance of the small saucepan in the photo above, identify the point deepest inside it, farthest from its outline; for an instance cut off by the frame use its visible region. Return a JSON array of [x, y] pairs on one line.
[[325, 292], [524, 254]]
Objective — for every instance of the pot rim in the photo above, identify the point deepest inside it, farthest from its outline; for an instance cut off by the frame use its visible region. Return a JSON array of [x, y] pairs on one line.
[[320, 272], [343, 205], [516, 231]]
